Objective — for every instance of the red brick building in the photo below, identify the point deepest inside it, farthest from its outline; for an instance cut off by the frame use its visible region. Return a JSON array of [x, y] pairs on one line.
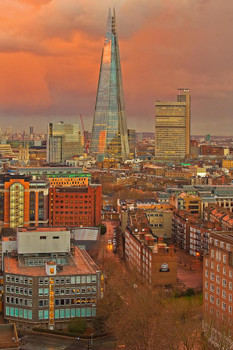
[[218, 284], [75, 206]]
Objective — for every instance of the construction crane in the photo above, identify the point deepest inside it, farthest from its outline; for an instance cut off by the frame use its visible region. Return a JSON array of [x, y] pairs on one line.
[[86, 142]]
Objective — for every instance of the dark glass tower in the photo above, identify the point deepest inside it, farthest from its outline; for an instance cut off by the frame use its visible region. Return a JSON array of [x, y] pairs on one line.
[[109, 132]]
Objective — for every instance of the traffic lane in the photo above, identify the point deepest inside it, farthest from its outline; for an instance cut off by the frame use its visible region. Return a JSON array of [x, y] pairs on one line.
[[41, 342]]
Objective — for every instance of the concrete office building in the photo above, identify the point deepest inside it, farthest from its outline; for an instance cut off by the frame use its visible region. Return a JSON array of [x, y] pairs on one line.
[[47, 282], [64, 141], [172, 127]]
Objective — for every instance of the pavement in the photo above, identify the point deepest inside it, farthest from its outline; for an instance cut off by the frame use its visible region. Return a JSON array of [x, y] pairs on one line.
[[189, 270], [43, 342]]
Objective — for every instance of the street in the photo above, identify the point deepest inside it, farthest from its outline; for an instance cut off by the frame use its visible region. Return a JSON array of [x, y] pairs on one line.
[[42, 342]]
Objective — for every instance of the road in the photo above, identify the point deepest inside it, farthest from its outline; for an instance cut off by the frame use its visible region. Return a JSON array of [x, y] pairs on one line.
[[42, 342], [189, 270]]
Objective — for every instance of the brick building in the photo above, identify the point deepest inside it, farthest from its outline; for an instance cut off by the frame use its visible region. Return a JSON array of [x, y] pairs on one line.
[[217, 285], [156, 263], [75, 206]]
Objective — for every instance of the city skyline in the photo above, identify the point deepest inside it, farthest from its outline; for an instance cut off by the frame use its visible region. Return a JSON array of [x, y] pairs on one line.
[[50, 59]]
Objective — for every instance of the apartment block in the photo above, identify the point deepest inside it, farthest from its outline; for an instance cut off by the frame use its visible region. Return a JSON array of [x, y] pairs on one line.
[[155, 262], [218, 284]]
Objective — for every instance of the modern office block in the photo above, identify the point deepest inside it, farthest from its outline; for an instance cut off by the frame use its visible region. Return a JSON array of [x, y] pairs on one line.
[[172, 127], [64, 142]]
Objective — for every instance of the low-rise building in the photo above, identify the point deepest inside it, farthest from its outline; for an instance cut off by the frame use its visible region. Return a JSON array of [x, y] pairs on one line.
[[47, 282], [155, 262]]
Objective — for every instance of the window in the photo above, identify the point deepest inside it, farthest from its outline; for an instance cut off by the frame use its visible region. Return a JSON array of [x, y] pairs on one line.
[[46, 314], [224, 282], [217, 302], [40, 314], [212, 276], [56, 313], [41, 302], [230, 285], [218, 279], [41, 291], [224, 294], [212, 288], [224, 271], [206, 274], [212, 299], [224, 306], [62, 313], [41, 281], [224, 259], [42, 237]]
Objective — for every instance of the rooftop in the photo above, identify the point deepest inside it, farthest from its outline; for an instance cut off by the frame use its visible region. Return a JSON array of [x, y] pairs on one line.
[[79, 263]]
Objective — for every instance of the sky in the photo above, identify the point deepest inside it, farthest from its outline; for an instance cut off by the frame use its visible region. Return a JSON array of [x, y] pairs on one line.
[[50, 53]]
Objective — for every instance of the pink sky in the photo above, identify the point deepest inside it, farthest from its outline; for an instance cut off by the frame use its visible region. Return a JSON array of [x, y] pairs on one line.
[[50, 56]]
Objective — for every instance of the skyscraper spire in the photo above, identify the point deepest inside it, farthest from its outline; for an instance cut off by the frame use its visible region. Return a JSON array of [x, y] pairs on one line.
[[109, 132]]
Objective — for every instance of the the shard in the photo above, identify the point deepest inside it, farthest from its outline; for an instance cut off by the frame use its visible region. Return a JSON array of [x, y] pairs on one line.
[[109, 132]]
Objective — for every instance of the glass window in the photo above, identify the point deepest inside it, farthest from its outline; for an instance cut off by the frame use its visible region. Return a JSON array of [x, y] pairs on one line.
[[77, 312], [41, 303], [89, 279], [30, 314], [88, 311], [72, 312], [40, 314], [83, 279], [67, 313], [83, 312], [46, 314], [56, 313], [12, 311], [78, 279], [62, 313], [93, 311], [20, 312], [94, 278], [25, 313], [72, 280], [16, 312], [40, 291], [46, 291], [7, 311]]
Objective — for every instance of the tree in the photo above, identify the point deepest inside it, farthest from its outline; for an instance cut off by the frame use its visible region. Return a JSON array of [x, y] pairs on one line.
[[103, 229], [77, 326]]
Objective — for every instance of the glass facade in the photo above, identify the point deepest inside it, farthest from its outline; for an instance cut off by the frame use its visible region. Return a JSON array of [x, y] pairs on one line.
[[109, 132], [64, 141]]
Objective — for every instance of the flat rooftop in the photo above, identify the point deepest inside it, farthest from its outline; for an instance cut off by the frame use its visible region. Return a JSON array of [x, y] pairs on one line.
[[79, 263], [42, 229]]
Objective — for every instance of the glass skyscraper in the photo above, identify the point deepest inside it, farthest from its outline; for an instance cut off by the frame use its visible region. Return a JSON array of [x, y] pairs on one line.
[[109, 132]]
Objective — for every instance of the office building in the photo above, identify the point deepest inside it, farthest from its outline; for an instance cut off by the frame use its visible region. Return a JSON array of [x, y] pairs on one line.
[[60, 176], [47, 281], [64, 142], [109, 132], [172, 127], [75, 206], [217, 289], [23, 201]]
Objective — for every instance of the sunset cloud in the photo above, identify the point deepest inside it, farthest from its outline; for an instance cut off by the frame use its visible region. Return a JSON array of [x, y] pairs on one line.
[[50, 55]]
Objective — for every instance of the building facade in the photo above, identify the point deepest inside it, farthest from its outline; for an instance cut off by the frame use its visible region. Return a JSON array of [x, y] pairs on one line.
[[172, 127], [64, 141], [218, 288], [75, 206], [156, 263], [23, 201], [47, 282], [60, 176], [109, 132]]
